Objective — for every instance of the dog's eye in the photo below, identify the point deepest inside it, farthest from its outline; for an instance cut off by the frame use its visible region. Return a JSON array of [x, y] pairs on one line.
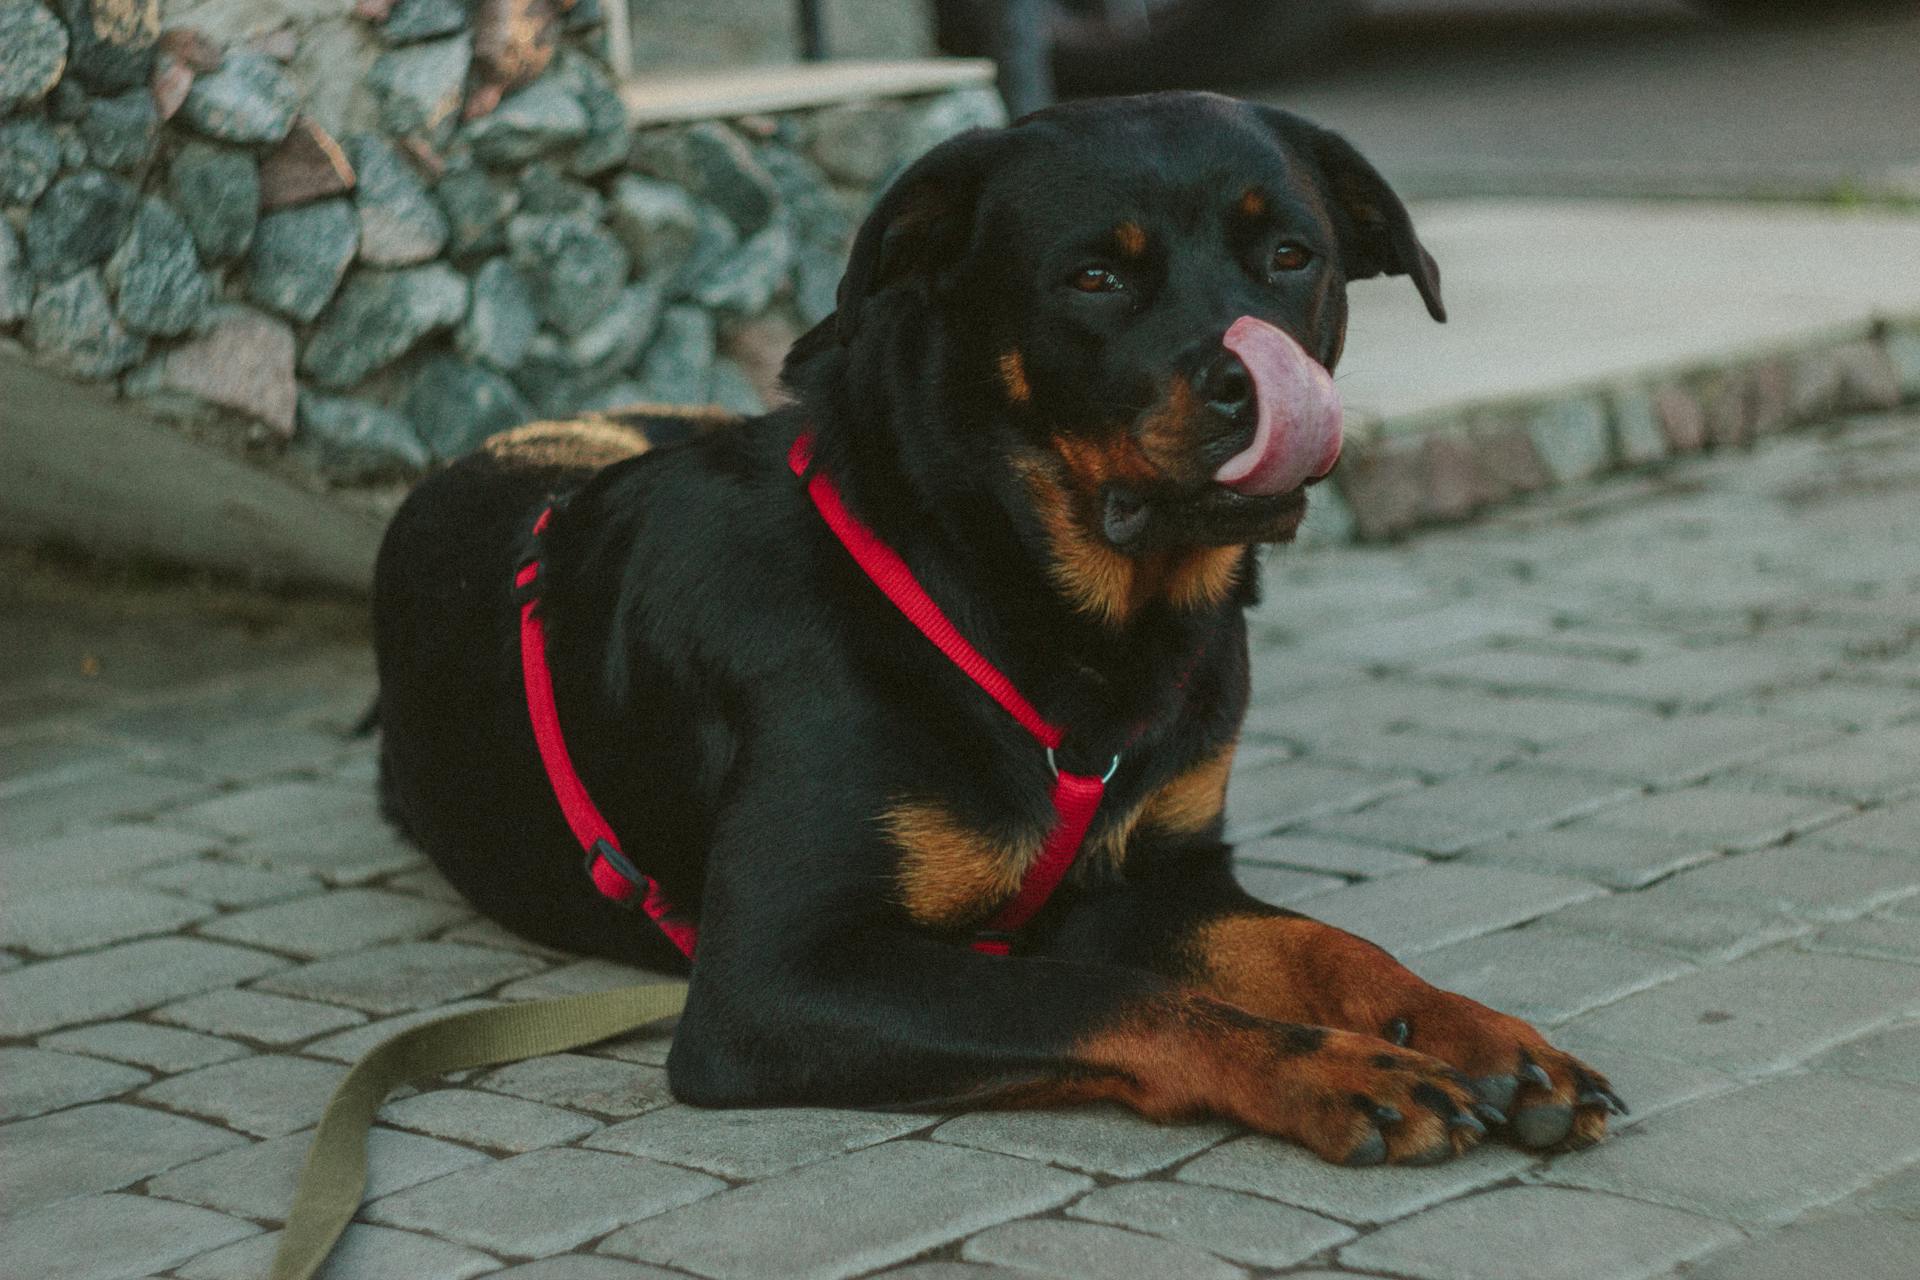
[[1290, 257], [1095, 280]]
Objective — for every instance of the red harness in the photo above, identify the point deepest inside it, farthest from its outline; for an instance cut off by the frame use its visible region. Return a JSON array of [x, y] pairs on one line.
[[1076, 796]]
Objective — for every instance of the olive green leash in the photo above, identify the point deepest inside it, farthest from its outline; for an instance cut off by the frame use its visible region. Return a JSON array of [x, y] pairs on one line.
[[335, 1174]]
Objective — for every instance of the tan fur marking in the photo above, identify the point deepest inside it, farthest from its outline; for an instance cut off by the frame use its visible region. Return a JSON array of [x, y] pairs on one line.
[[1252, 203], [1013, 374], [950, 874], [1205, 577], [1190, 802], [587, 441], [1132, 239]]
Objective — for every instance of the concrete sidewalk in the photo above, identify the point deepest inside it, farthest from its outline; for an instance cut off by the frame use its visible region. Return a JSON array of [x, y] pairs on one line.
[[1640, 761]]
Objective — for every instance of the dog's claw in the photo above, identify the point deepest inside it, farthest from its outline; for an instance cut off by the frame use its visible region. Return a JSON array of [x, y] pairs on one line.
[[1467, 1120], [1397, 1032], [1372, 1151], [1489, 1113], [1533, 1073], [1384, 1114], [1602, 1098]]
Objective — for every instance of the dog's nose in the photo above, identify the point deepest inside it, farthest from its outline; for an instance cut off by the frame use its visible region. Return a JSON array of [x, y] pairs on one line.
[[1227, 387]]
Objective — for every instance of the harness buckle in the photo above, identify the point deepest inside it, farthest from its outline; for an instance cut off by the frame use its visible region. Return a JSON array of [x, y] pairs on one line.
[[603, 850], [1053, 767]]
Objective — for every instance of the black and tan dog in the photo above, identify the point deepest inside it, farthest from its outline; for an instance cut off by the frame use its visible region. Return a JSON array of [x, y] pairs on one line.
[[1079, 368]]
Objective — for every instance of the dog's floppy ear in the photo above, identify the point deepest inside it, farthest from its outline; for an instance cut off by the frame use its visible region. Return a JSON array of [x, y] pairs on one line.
[[922, 222], [1376, 235]]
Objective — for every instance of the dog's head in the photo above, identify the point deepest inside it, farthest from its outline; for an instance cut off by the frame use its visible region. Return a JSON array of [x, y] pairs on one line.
[[1138, 302]]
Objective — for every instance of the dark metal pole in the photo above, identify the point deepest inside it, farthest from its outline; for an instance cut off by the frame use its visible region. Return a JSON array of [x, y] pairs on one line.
[[813, 32], [1022, 45]]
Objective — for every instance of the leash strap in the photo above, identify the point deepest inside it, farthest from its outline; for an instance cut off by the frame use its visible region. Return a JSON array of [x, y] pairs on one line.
[[335, 1174]]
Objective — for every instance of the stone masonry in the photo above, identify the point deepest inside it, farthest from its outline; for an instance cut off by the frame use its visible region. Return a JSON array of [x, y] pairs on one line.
[[1640, 761]]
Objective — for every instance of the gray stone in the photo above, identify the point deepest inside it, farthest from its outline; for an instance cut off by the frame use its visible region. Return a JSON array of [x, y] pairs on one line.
[[1731, 818], [454, 405], [90, 798], [1892, 1055], [733, 390], [816, 285], [678, 368], [1333, 857], [546, 189], [489, 1120], [102, 1147], [1279, 1171], [339, 853], [226, 885], [399, 222], [344, 920], [1260, 799], [255, 1015], [1761, 1014], [1680, 750], [249, 99], [1547, 1233], [823, 218], [1796, 1142], [419, 87], [1881, 938], [501, 322], [1458, 813], [716, 165], [78, 223], [657, 222], [1073, 1249], [477, 208], [29, 157], [1637, 438], [580, 1266], [1617, 859], [583, 1084], [33, 52], [357, 439], [533, 1205], [162, 1048], [112, 41], [860, 143], [1865, 767], [745, 281], [81, 917], [1665, 917], [755, 1143], [951, 113], [243, 361], [530, 122], [268, 1095], [1545, 976], [155, 274], [258, 1181], [1430, 908], [300, 255], [606, 140], [363, 1252], [913, 1196], [120, 131], [1102, 1139], [1804, 880], [34, 1081], [1571, 437], [217, 191], [1857, 1246], [1240, 1227], [109, 1237], [575, 268], [402, 976], [411, 20], [112, 850], [72, 327], [348, 1046], [378, 316], [1894, 829]]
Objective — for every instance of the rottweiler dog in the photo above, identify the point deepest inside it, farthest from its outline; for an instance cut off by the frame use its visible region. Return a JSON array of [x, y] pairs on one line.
[[1078, 372]]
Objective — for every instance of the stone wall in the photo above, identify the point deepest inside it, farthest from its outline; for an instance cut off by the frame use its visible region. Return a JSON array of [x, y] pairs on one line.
[[348, 242]]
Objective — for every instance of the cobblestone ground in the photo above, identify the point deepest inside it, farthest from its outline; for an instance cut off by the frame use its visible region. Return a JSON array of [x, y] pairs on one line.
[[1641, 763]]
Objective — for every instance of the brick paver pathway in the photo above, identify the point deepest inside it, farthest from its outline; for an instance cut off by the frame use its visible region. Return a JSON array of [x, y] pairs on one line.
[[1641, 763]]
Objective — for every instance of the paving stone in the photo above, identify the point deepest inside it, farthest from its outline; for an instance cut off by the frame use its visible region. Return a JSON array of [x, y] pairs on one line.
[[101, 1147], [1651, 1082], [1666, 917], [345, 920], [55, 921], [227, 884], [1543, 975], [111, 1237], [401, 976], [217, 191], [102, 800], [1544, 1233], [533, 1205], [1283, 886], [1097, 1139], [1805, 880], [579, 978], [489, 1120], [1856, 1246], [950, 1271], [341, 853], [1420, 910], [1280, 1171], [1794, 1143], [1617, 859], [752, 1143], [268, 1095], [377, 317], [347, 1046], [120, 980], [580, 1266], [1879, 938], [1238, 1227], [34, 1081], [1279, 795], [1334, 857], [255, 1015], [1841, 703], [1892, 1055], [1731, 818], [163, 1049], [1073, 1249], [1680, 750], [587, 1084], [258, 1181], [364, 1252], [1459, 813], [1430, 755], [284, 806], [1895, 829], [248, 99], [1763, 1013], [914, 1196], [1868, 766]]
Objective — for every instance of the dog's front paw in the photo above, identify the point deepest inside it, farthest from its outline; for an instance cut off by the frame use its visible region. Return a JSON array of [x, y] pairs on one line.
[[1366, 1102], [1547, 1097]]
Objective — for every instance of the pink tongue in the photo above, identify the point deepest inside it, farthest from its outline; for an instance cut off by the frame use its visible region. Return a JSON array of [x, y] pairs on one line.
[[1296, 437]]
